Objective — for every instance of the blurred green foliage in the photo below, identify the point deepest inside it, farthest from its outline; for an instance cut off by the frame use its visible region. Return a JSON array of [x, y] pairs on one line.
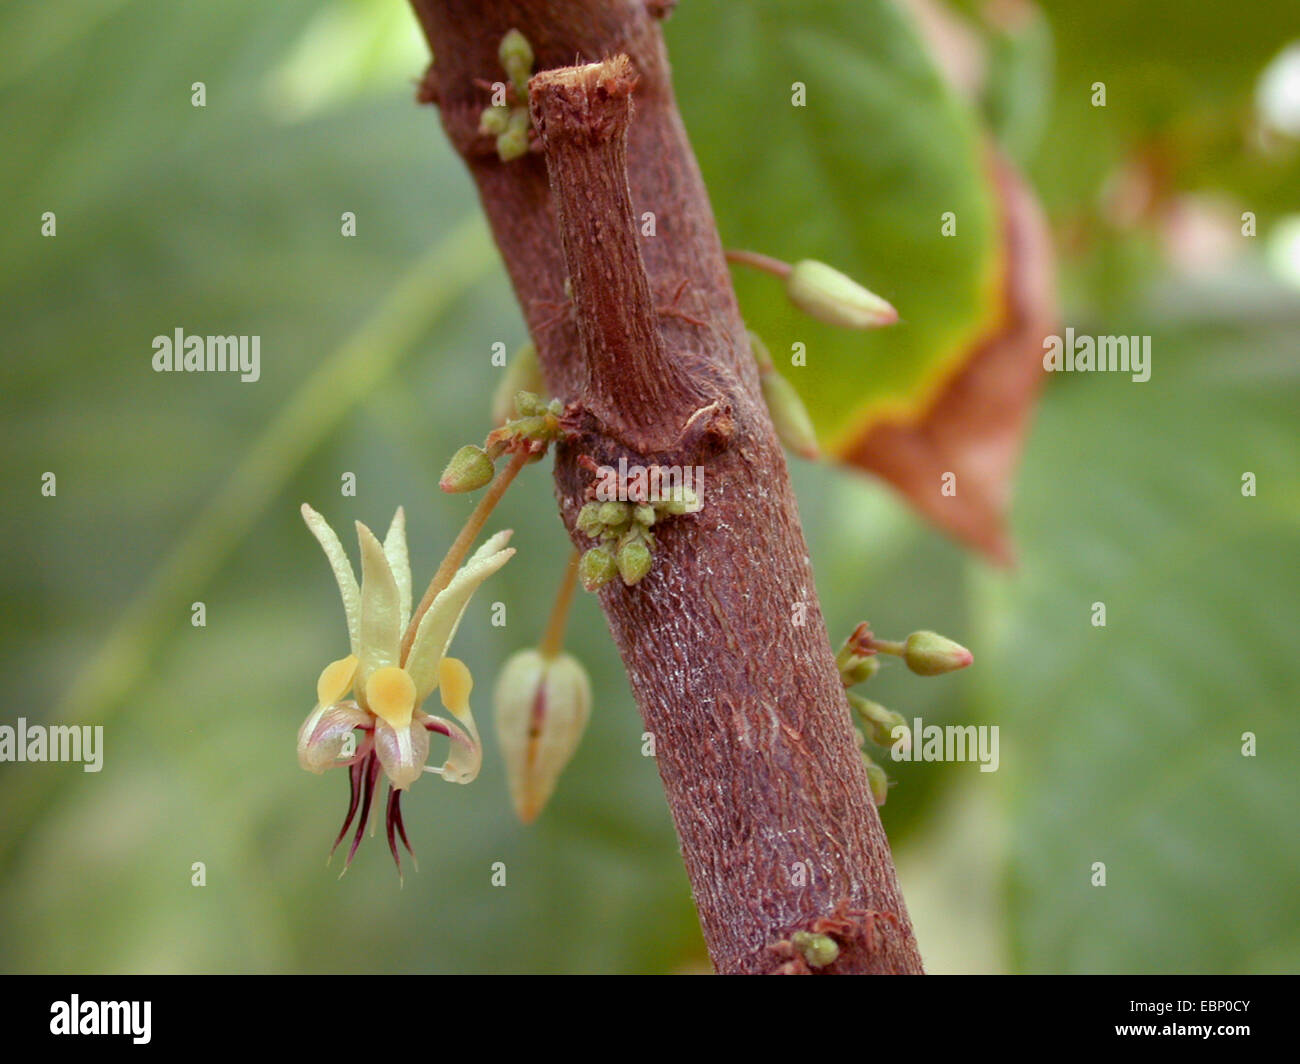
[[1119, 744]]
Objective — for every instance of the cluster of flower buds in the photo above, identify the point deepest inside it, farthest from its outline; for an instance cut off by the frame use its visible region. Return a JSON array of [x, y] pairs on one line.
[[625, 546], [509, 122], [925, 653], [530, 432]]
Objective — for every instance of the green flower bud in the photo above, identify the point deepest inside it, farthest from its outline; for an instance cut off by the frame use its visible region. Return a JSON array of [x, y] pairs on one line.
[[681, 500], [588, 522], [494, 121], [469, 469], [817, 950], [930, 654], [597, 567], [536, 427], [615, 514], [856, 669], [830, 296], [794, 427], [877, 780], [512, 144], [880, 723], [516, 56], [644, 515], [528, 403], [542, 706], [523, 373], [634, 561]]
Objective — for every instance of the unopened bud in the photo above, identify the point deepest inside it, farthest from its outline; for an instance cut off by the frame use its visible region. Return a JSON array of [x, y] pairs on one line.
[[469, 469], [523, 373], [680, 500], [794, 427], [761, 354], [514, 141], [882, 725], [615, 514], [494, 121], [817, 950], [877, 780], [516, 56], [542, 706], [634, 561], [858, 669], [588, 522], [830, 296], [644, 515], [529, 403], [597, 567], [930, 654]]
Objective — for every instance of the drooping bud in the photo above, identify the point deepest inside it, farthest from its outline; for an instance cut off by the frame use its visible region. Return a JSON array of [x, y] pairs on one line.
[[877, 780], [930, 654], [470, 468], [523, 373], [881, 724], [794, 428], [597, 567], [542, 706], [634, 560], [516, 56], [828, 295], [859, 669]]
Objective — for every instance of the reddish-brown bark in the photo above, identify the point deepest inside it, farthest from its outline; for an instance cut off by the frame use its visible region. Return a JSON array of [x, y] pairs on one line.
[[752, 734]]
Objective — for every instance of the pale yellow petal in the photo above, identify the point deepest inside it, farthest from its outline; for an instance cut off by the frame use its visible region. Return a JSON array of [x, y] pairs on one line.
[[438, 625], [381, 610], [343, 573], [399, 560]]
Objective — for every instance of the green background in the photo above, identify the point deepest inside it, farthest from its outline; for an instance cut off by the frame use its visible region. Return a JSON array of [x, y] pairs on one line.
[[1119, 744]]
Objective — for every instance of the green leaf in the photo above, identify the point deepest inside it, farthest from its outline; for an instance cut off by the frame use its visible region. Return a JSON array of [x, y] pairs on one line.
[[858, 178], [1123, 744], [1180, 82]]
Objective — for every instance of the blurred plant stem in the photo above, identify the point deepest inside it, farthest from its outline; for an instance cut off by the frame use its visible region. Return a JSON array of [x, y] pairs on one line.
[[368, 356], [460, 548], [553, 638]]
